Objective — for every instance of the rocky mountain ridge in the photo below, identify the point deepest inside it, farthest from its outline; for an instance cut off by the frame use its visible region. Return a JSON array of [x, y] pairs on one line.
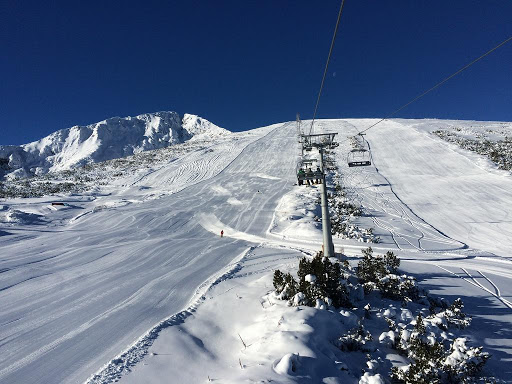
[[112, 138]]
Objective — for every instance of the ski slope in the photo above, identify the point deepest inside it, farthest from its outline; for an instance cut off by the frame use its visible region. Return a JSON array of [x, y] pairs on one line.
[[76, 295], [456, 191], [207, 344], [83, 284]]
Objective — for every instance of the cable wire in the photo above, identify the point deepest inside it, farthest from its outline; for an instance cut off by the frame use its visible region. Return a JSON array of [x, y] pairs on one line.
[[327, 63], [439, 84]]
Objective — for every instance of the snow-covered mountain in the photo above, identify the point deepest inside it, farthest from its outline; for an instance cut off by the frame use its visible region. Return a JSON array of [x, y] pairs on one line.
[[131, 274], [108, 139]]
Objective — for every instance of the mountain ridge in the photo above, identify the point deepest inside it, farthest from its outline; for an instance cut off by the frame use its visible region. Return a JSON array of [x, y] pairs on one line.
[[108, 139]]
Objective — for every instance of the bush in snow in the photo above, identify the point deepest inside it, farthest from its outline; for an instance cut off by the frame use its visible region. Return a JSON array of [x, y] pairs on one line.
[[499, 152], [321, 284], [343, 211], [285, 285], [427, 354], [454, 315], [463, 362], [357, 339], [432, 359], [322, 279], [434, 354], [372, 268], [35, 187], [398, 288], [379, 272]]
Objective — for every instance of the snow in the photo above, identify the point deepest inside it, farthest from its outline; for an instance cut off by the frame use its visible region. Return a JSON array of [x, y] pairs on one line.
[[287, 365], [368, 378], [310, 278], [109, 139], [448, 189], [133, 276]]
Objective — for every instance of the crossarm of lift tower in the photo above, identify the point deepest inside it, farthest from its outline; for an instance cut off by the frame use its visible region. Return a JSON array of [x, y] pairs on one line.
[[319, 140]]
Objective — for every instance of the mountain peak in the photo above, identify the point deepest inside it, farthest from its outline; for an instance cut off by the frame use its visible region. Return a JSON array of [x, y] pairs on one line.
[[108, 139]]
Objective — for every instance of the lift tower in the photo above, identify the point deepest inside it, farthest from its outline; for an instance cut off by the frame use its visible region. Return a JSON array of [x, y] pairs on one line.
[[321, 142]]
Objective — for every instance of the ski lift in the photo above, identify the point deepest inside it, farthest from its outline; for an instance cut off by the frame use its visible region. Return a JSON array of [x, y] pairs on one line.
[[307, 173], [359, 158]]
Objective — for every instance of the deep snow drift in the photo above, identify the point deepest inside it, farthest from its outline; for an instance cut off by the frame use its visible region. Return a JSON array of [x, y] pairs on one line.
[[108, 139], [97, 279]]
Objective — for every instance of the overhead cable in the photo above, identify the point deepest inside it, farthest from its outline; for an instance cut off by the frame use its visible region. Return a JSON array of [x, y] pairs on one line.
[[327, 64], [439, 84]]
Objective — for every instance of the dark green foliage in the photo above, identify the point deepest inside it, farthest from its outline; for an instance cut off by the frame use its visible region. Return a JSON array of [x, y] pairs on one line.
[[469, 365], [380, 272], [4, 163], [421, 349], [328, 285], [398, 288], [342, 211], [328, 282], [392, 262], [356, 339], [278, 281], [500, 151], [28, 188], [427, 356], [370, 269], [373, 268], [415, 375], [454, 315], [286, 286], [432, 362]]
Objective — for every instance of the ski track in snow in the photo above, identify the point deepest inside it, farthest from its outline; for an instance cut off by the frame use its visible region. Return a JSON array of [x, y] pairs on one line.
[[473, 281], [374, 191], [79, 294], [122, 363], [115, 272]]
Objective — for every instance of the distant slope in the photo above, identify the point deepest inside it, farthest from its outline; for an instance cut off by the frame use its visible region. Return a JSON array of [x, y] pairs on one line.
[[108, 139]]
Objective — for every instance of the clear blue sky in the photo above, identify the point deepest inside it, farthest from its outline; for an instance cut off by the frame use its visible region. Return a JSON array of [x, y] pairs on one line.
[[244, 64]]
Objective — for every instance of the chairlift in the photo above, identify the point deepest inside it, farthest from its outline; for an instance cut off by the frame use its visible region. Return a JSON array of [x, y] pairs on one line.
[[306, 173], [359, 157]]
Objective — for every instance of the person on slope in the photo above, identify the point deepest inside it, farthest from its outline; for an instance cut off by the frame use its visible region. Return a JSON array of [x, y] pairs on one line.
[[222, 233]]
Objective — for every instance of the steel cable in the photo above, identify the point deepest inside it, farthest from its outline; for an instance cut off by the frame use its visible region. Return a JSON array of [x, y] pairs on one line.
[[439, 84], [327, 64]]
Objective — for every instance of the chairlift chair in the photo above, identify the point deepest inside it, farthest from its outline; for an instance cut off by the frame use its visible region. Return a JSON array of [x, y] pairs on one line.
[[306, 173], [359, 158]]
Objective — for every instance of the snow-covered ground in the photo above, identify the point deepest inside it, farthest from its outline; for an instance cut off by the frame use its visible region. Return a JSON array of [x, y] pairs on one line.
[[136, 273]]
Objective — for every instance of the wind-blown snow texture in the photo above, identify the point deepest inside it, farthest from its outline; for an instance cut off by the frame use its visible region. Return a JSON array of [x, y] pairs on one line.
[[109, 139], [81, 283]]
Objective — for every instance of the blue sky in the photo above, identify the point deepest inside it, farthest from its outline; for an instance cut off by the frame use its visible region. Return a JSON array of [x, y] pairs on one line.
[[244, 64]]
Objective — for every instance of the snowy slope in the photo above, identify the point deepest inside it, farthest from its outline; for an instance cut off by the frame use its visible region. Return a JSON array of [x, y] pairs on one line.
[[109, 139], [77, 294], [82, 283], [207, 343], [458, 192]]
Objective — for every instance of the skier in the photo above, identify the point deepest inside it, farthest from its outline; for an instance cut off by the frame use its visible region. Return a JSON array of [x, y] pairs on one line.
[[222, 233], [309, 174], [300, 175]]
